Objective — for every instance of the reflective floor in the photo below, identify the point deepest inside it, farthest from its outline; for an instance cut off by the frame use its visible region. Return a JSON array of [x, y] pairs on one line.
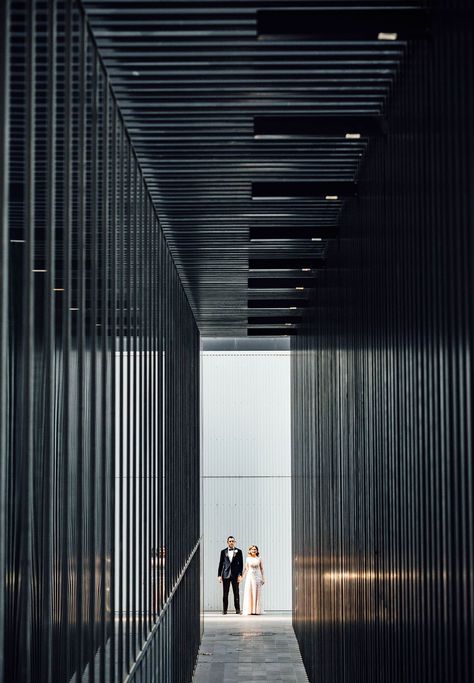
[[253, 648]]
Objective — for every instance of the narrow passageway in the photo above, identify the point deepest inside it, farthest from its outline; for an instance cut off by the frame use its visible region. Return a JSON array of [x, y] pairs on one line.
[[262, 648], [236, 341]]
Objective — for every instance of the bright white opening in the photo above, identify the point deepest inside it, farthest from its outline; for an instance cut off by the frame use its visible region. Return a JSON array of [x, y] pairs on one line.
[[246, 468]]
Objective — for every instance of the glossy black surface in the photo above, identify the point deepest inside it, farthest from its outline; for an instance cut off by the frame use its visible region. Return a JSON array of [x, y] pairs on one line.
[[383, 526], [327, 24], [203, 93], [99, 504]]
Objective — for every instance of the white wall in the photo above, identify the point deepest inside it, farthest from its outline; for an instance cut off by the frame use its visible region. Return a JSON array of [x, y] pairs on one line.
[[246, 466]]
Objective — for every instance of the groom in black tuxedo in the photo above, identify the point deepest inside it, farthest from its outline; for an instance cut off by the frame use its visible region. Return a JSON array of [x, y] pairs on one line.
[[231, 565]]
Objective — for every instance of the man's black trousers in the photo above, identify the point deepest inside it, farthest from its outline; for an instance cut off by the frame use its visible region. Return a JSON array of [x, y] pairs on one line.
[[235, 588]]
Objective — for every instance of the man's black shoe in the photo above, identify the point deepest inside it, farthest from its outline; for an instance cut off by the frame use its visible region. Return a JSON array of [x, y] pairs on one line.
[[224, 612], [239, 611]]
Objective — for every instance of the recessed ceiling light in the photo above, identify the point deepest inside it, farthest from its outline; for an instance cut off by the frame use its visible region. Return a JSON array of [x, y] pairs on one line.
[[316, 239], [306, 270], [18, 241], [292, 308], [39, 270], [332, 196], [352, 136], [58, 289], [135, 73], [387, 36], [299, 289], [73, 309], [289, 324]]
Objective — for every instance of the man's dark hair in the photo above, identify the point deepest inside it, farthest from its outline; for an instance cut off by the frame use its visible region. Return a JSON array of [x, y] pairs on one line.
[[230, 537]]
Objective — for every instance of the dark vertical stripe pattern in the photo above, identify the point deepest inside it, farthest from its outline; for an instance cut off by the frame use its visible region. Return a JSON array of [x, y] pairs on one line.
[[382, 396], [99, 409]]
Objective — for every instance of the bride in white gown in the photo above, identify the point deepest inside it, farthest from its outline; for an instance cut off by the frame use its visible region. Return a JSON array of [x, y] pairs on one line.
[[253, 573]]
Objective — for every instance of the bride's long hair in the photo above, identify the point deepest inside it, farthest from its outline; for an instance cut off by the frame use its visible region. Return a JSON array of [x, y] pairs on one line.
[[250, 548]]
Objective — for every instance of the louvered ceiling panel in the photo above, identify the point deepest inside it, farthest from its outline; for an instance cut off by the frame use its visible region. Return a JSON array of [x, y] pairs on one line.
[[191, 77]]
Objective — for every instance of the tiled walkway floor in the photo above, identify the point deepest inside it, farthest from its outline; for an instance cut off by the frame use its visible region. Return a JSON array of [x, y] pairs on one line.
[[238, 648]]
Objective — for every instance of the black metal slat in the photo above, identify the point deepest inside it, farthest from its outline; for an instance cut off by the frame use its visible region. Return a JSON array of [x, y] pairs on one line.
[[147, 402], [50, 326], [4, 281], [81, 482], [105, 437], [68, 303], [28, 322], [111, 331], [142, 400], [129, 447], [121, 501], [92, 333], [134, 349]]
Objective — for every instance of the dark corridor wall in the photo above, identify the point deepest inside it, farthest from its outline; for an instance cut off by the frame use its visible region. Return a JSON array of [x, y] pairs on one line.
[[99, 480], [382, 396]]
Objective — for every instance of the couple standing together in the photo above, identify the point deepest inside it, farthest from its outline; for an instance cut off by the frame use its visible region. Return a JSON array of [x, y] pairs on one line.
[[231, 572]]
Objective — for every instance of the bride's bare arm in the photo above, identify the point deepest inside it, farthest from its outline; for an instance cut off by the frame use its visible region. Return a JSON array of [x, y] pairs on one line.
[[261, 569], [242, 576]]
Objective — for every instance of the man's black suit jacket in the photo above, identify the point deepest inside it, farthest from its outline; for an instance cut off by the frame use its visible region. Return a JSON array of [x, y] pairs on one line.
[[228, 569]]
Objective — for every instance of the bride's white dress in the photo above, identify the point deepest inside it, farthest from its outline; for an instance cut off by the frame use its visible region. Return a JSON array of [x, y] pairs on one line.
[[253, 586]]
